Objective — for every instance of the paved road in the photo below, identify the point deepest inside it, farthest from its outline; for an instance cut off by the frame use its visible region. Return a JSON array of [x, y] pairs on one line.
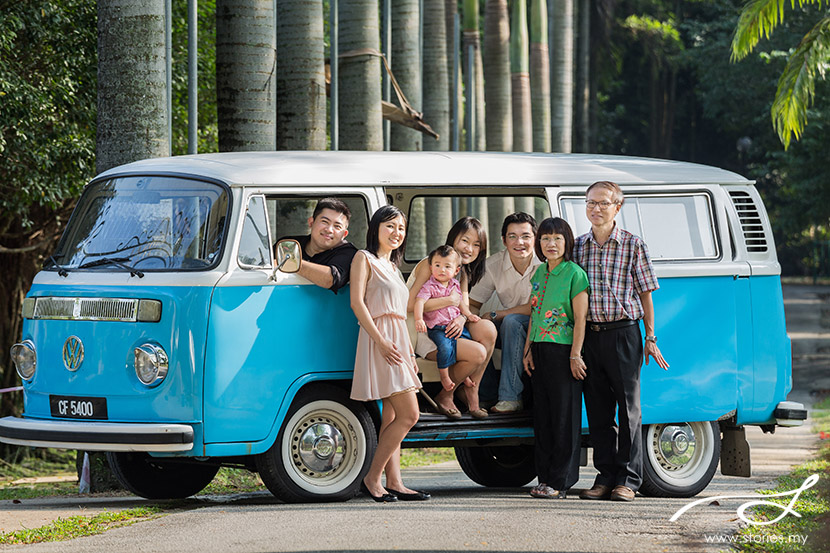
[[466, 517]]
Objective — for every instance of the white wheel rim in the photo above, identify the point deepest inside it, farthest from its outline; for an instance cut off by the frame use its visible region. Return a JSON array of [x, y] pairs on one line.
[[323, 447], [680, 453]]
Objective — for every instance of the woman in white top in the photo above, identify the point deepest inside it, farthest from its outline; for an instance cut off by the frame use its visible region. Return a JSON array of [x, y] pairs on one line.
[[469, 238]]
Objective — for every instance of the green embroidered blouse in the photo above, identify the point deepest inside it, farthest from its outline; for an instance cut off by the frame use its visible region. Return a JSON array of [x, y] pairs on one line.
[[551, 298]]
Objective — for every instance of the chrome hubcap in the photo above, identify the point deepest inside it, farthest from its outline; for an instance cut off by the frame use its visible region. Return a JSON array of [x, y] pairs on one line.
[[319, 447], [674, 445]]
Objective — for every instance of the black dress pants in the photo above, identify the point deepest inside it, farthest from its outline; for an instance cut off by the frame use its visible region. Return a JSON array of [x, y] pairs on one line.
[[612, 387], [557, 415]]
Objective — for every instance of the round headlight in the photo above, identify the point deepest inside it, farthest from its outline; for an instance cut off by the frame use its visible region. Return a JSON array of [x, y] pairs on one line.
[[25, 359], [150, 364]]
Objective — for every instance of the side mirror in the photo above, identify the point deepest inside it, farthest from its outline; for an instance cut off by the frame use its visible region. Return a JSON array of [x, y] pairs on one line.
[[289, 257]]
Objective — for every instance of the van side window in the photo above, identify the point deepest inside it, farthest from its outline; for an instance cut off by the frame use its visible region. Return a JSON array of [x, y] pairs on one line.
[[675, 227], [431, 217], [254, 249], [288, 216]]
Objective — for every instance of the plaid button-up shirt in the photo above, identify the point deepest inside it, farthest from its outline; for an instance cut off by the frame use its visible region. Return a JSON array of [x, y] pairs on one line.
[[618, 272]]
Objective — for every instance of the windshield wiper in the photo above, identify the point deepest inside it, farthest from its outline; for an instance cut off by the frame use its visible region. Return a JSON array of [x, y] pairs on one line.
[[62, 271], [117, 261]]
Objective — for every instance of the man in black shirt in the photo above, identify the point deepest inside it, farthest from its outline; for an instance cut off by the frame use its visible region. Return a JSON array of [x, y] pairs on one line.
[[327, 257]]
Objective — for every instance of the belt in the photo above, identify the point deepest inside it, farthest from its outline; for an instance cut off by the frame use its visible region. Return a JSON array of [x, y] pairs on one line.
[[599, 327]]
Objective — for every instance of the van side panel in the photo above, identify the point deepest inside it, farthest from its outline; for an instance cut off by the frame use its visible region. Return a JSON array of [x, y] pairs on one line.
[[771, 350], [261, 339], [695, 323], [746, 344]]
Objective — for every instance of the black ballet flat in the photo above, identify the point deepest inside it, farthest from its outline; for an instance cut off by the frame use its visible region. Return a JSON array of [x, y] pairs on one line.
[[415, 496], [385, 498]]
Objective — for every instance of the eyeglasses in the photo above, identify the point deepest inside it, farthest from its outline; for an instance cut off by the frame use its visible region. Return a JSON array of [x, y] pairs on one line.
[[523, 237], [603, 206]]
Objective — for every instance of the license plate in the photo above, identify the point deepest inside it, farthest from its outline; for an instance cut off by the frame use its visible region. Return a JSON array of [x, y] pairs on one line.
[[72, 407]]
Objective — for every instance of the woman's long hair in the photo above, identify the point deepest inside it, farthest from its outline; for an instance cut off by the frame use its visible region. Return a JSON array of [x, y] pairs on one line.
[[383, 214], [475, 269]]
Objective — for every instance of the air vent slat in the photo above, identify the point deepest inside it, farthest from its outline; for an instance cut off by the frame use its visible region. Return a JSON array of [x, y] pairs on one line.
[[750, 219], [87, 309]]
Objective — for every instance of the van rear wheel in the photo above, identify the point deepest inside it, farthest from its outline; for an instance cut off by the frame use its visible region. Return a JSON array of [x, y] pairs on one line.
[[498, 466], [323, 449], [156, 478], [679, 459]]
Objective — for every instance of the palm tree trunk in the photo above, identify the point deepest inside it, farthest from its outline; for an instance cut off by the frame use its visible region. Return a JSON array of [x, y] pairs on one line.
[[436, 111], [450, 10], [436, 89], [406, 65], [132, 82], [301, 80], [563, 83], [472, 41], [520, 79], [245, 75], [499, 123], [359, 95], [582, 124], [539, 76]]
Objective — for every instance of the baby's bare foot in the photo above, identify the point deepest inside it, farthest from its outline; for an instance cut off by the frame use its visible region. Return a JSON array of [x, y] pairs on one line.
[[446, 381]]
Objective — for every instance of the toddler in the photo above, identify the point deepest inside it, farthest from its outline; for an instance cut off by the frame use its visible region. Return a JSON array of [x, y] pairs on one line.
[[444, 264]]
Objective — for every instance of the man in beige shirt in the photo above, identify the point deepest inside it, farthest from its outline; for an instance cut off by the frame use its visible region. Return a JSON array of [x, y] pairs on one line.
[[508, 275]]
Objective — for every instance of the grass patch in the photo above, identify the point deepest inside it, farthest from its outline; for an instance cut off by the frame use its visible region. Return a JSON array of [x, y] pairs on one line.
[[28, 464], [79, 526], [420, 457], [229, 480], [813, 504], [31, 491]]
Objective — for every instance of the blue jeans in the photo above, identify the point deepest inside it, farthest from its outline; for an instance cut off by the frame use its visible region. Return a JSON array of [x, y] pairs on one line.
[[511, 339], [446, 346]]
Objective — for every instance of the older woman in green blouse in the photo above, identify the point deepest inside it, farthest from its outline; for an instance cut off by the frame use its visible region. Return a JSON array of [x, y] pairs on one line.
[[553, 358]]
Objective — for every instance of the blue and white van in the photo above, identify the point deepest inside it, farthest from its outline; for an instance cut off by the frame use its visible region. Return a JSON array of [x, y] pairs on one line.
[[161, 330]]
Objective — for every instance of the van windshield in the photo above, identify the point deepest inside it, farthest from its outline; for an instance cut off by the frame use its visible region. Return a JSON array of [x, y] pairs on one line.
[[145, 223]]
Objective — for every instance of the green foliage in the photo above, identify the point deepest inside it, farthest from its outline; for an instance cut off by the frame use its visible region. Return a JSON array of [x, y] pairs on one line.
[[47, 104], [796, 86], [208, 128]]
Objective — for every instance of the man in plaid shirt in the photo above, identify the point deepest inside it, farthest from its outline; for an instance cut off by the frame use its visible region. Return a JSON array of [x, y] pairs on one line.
[[621, 280]]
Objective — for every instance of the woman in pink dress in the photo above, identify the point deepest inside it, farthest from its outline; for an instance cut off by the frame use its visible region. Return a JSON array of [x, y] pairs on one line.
[[384, 366]]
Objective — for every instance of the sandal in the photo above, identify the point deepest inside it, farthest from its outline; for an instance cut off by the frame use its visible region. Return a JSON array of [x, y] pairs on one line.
[[451, 413], [543, 491], [479, 413]]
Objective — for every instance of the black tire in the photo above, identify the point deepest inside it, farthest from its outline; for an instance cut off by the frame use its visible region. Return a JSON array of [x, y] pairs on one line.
[[679, 459], [323, 449], [498, 466], [155, 478]]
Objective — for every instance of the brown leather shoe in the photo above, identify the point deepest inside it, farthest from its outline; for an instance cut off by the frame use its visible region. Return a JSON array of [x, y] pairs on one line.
[[622, 493], [598, 491]]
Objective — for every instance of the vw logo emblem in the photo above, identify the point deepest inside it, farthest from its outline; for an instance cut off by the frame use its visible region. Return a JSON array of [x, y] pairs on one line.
[[73, 353]]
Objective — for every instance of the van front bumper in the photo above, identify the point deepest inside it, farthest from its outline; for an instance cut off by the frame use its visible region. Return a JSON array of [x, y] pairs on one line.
[[790, 413], [96, 436]]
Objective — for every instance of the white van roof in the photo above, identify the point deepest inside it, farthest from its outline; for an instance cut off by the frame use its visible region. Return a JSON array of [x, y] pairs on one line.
[[308, 168]]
